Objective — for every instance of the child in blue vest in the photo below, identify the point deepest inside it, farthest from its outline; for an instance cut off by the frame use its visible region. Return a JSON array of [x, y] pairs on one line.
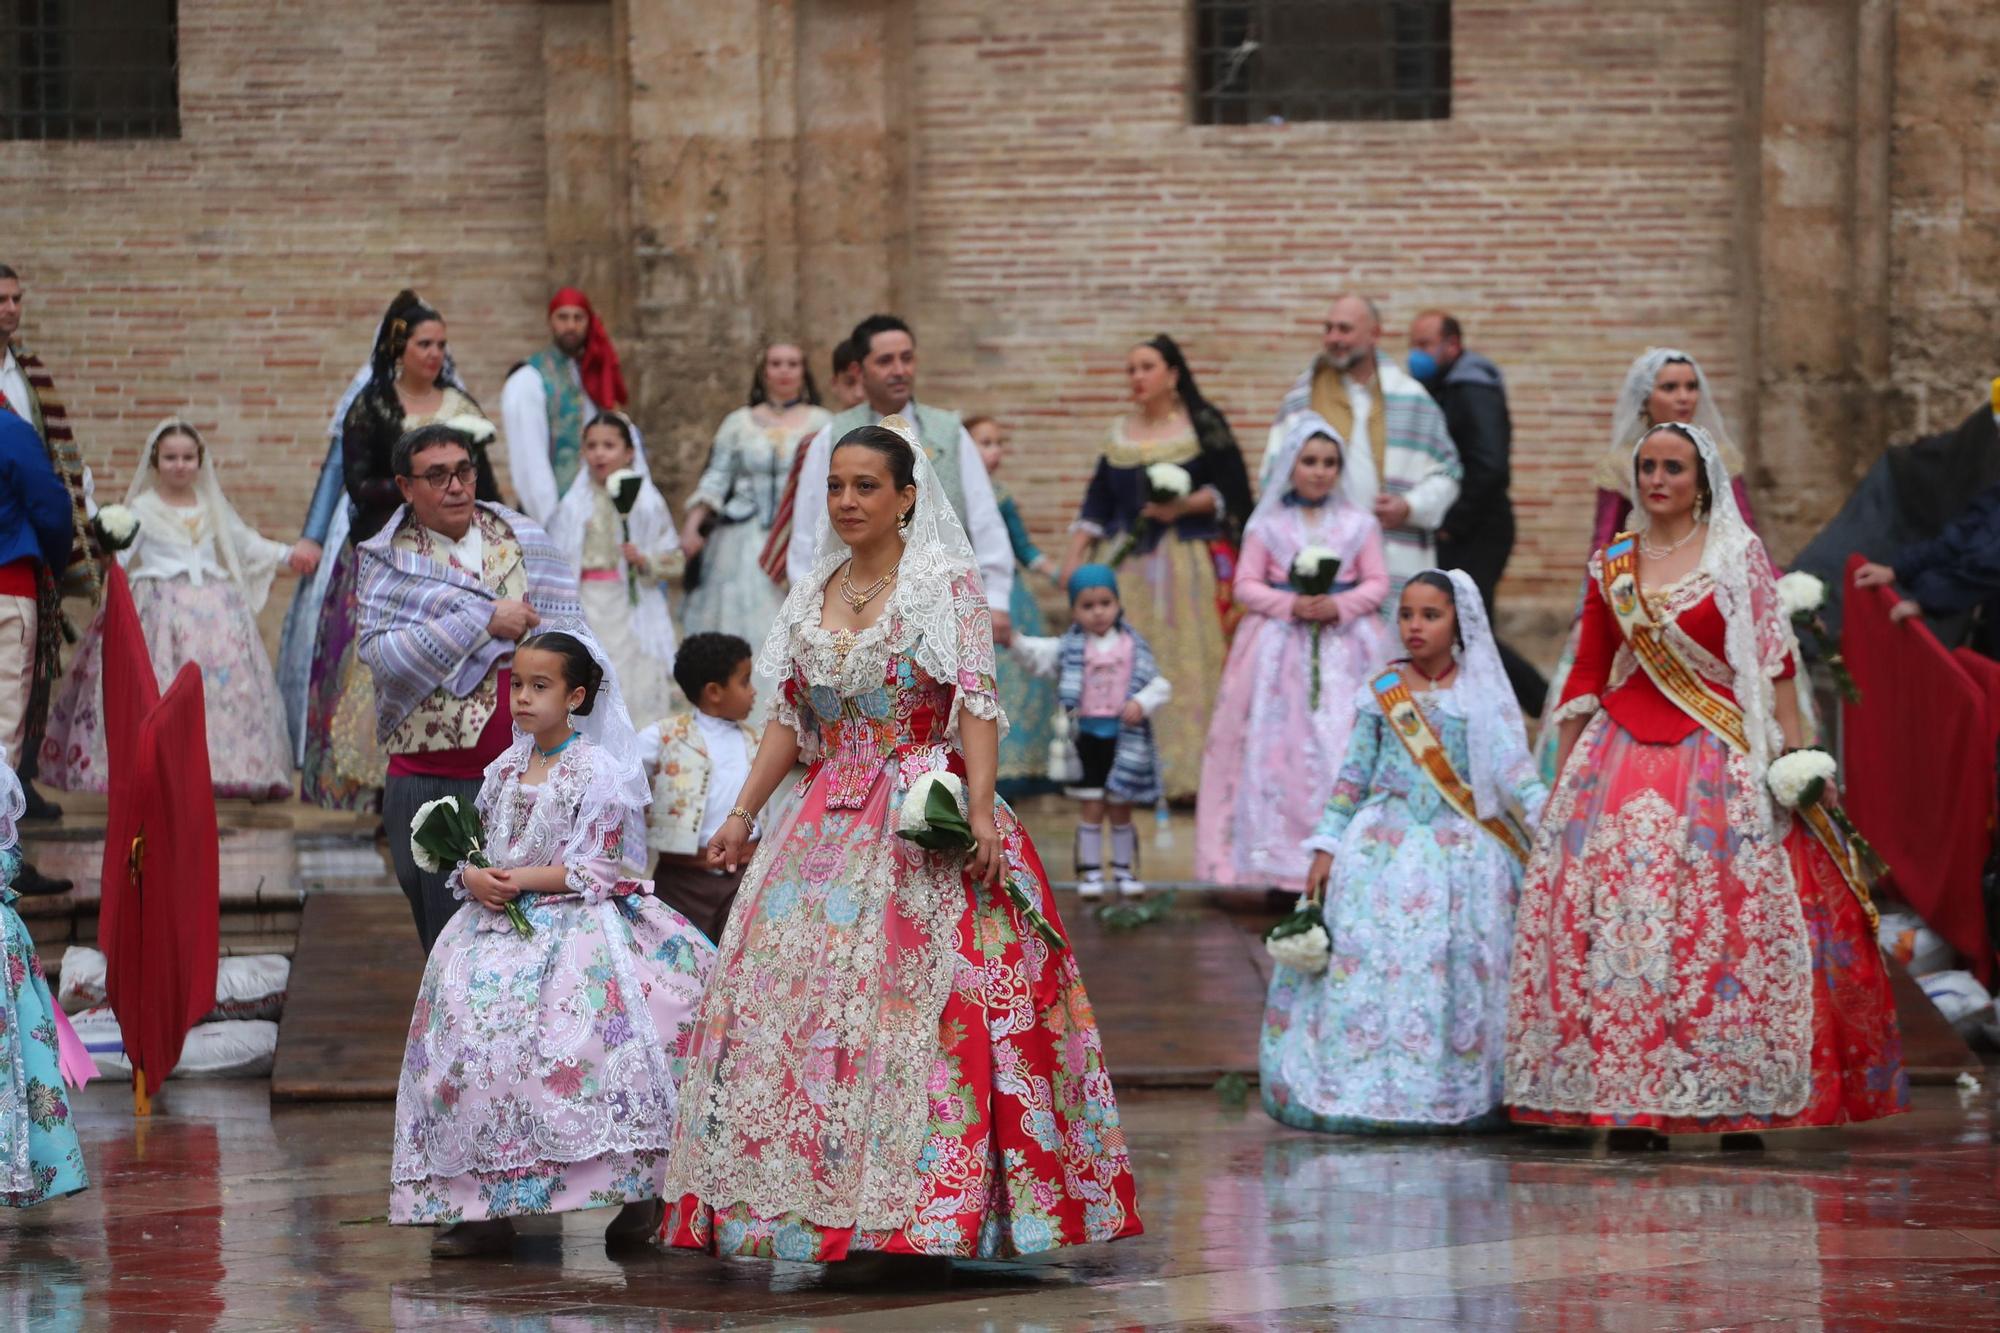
[[1110, 687]]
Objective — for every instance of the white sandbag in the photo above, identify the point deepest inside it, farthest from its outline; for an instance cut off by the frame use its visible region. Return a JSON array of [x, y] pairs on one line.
[[81, 986], [240, 1048], [1905, 938], [1957, 995], [250, 987]]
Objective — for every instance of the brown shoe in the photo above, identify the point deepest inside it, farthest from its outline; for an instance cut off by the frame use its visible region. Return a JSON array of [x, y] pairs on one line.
[[469, 1240], [32, 883], [636, 1225]]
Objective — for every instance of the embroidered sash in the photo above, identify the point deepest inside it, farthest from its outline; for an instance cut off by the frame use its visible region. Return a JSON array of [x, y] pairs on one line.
[[1694, 696], [563, 397], [1413, 729]]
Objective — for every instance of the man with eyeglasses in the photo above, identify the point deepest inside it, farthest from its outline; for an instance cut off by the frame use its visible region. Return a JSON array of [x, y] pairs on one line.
[[447, 587]]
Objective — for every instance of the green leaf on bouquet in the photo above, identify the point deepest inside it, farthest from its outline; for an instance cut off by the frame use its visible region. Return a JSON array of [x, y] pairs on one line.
[[1297, 922], [1121, 915], [946, 829]]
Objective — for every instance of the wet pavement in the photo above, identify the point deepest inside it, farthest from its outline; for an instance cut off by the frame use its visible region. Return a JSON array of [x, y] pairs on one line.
[[223, 1213]]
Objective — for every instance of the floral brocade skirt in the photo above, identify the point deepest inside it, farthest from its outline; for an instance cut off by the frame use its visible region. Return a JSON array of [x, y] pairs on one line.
[[249, 751], [976, 1072], [1674, 969], [1171, 596], [40, 1158]]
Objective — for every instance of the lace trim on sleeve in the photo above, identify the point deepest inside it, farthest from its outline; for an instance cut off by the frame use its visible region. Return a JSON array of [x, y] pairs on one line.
[[1583, 706]]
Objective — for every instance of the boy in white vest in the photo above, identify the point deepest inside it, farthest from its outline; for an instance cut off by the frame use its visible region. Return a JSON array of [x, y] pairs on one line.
[[698, 762]]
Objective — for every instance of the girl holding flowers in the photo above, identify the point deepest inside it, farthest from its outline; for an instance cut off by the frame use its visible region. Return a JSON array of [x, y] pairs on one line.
[[614, 525], [1416, 858], [199, 576], [540, 1075], [1693, 955], [1310, 580]]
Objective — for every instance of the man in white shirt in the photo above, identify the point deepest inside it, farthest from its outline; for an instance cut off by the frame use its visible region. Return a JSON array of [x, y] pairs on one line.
[[889, 382], [549, 398]]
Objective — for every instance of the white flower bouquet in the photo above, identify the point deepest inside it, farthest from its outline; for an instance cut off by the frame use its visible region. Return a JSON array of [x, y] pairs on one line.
[[1800, 780], [1314, 570], [1165, 483], [115, 527], [932, 816], [624, 486], [1802, 595], [444, 833], [1300, 941]]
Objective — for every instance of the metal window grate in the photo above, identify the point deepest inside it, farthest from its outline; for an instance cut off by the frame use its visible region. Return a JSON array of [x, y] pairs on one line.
[[1262, 60], [89, 69]]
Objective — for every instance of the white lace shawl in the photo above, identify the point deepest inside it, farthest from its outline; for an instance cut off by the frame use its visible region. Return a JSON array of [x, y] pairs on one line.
[[1757, 637], [929, 614], [1496, 738], [13, 803], [652, 526], [582, 817], [251, 559]]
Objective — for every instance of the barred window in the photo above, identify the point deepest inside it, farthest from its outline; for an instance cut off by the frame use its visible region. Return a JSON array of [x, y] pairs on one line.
[[89, 69], [1265, 60]]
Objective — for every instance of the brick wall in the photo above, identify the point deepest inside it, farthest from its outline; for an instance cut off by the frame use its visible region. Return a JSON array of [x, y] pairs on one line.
[[1576, 209], [329, 154]]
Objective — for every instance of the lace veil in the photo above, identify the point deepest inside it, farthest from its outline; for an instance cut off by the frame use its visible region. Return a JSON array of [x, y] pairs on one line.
[[13, 803], [1757, 636], [253, 572], [1298, 428], [650, 522], [1629, 422], [936, 555], [1496, 737]]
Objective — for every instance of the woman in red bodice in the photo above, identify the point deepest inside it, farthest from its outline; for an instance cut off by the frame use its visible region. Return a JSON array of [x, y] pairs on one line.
[[1687, 957]]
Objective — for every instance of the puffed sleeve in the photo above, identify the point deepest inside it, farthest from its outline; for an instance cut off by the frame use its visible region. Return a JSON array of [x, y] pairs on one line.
[[1253, 589], [605, 842], [1357, 775], [976, 690]]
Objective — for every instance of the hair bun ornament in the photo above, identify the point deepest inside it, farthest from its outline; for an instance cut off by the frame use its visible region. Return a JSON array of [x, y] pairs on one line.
[[900, 424]]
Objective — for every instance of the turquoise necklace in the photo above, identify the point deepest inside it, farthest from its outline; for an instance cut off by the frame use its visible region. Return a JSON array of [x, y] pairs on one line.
[[558, 748]]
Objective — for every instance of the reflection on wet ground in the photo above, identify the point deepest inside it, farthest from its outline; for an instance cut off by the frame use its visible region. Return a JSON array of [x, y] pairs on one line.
[[221, 1213]]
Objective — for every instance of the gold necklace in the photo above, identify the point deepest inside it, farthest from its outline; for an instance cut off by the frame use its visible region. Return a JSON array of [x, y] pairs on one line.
[[857, 600], [1653, 552]]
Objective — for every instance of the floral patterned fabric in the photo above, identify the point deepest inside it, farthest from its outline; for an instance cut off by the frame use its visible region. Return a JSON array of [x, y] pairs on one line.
[[345, 765], [211, 625], [1402, 1032], [888, 1058], [40, 1158], [540, 1072]]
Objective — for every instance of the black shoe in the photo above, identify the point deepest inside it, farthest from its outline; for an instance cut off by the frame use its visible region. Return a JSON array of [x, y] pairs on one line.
[[40, 807], [32, 883]]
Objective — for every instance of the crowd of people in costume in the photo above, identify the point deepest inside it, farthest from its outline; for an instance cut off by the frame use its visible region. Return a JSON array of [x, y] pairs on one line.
[[838, 1017]]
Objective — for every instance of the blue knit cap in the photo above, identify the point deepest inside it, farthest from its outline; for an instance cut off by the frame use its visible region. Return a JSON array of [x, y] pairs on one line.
[[1092, 576]]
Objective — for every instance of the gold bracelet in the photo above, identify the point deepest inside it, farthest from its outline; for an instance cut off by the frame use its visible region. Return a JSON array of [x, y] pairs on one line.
[[749, 824]]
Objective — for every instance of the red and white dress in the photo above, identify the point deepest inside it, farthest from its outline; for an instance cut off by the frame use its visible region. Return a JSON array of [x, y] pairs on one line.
[[1682, 961]]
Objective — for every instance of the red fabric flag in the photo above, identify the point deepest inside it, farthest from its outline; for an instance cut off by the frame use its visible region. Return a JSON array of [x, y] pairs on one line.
[[1919, 767], [130, 692]]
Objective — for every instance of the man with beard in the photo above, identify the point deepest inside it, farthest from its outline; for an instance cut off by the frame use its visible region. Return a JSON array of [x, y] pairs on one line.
[[550, 397], [1399, 461]]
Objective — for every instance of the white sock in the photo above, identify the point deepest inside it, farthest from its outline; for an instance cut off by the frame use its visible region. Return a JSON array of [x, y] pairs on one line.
[[1124, 848], [1089, 848]]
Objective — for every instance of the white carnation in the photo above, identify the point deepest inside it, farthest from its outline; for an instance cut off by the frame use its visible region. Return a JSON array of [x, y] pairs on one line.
[[1791, 774], [467, 423], [910, 818], [1309, 560], [1801, 594], [117, 522], [1170, 479], [425, 861], [1306, 952]]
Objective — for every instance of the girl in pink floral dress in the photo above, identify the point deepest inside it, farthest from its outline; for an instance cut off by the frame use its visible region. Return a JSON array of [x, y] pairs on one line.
[[541, 1069], [1273, 747], [891, 1057]]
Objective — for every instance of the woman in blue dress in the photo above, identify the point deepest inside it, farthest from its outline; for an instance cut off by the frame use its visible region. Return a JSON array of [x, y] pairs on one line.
[[1418, 856], [40, 1158]]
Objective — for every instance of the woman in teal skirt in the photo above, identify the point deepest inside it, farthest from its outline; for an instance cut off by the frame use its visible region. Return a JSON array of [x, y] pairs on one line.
[[1029, 701]]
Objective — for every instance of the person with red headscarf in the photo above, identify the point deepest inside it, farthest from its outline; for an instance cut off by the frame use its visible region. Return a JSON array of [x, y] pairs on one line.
[[550, 397]]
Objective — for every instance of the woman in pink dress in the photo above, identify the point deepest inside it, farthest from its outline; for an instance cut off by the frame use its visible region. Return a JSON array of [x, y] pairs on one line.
[[1277, 735]]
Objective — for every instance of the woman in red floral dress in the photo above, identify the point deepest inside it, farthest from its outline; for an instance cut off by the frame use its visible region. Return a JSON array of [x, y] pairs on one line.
[[890, 1057], [1688, 958]]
